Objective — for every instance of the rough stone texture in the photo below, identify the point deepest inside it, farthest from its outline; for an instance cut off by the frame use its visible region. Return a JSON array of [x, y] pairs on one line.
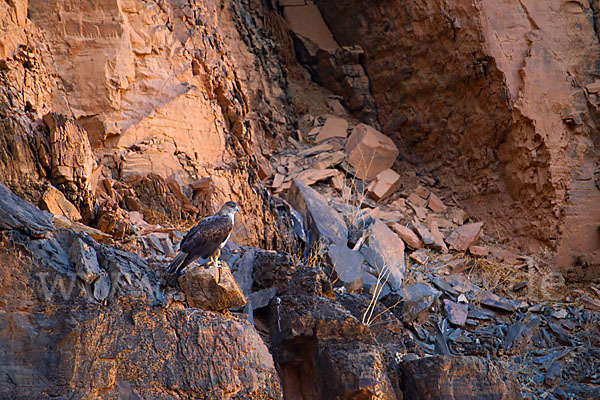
[[416, 299], [488, 95], [348, 266], [18, 214], [369, 151], [55, 202], [85, 259], [324, 352], [408, 236], [158, 88], [384, 251], [281, 271], [65, 223], [72, 164], [457, 312], [320, 219], [334, 128], [457, 377], [465, 236], [58, 341], [212, 289], [384, 184]]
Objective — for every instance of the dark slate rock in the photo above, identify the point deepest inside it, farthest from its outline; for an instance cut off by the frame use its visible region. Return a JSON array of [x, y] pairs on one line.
[[262, 298], [457, 377], [348, 266], [16, 213], [320, 219], [242, 270], [102, 288], [384, 251], [85, 259], [416, 299], [494, 301]]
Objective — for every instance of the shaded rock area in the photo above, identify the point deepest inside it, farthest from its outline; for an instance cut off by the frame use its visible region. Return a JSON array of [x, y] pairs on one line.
[[444, 377], [418, 185], [468, 95], [98, 309]]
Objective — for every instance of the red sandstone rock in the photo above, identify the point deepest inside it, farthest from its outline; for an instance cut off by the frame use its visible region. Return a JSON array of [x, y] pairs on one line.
[[465, 236], [334, 127], [264, 168], [306, 20], [369, 151], [55, 202], [417, 200], [435, 204], [478, 251], [438, 238], [311, 176], [384, 184], [408, 236], [212, 288]]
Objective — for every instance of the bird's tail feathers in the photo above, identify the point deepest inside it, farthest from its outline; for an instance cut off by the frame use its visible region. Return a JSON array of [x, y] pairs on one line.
[[176, 263]]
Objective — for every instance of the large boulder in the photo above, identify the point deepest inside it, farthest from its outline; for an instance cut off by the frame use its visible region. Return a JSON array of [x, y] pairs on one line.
[[324, 352], [384, 251], [57, 340], [16, 213], [212, 288], [320, 219], [54, 201], [457, 378], [370, 151]]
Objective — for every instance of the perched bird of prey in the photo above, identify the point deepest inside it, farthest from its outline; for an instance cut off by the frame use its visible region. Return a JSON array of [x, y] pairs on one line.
[[206, 239]]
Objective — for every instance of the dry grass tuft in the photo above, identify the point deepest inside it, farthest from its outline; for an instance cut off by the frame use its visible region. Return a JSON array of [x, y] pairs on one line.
[[496, 276]]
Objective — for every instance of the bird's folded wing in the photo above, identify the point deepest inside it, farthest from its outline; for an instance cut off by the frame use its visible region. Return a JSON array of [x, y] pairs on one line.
[[205, 238]]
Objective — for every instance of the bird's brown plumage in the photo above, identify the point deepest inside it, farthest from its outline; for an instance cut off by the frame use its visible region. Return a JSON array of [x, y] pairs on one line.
[[205, 239]]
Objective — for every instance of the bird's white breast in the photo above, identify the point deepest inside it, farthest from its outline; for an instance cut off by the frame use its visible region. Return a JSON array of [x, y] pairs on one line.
[[232, 216]]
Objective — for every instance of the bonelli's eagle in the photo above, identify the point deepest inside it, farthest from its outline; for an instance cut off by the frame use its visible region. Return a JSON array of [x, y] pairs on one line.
[[206, 239]]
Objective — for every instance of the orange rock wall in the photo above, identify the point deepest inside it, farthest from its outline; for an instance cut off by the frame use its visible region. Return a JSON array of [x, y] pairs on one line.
[[169, 87], [492, 97]]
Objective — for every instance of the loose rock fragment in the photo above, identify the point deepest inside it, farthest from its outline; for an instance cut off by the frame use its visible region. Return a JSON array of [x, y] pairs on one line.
[[312, 176], [348, 266], [435, 204], [54, 201], [384, 184], [384, 251], [465, 236], [320, 219], [212, 288], [370, 151], [438, 238], [334, 127], [85, 259], [457, 312], [416, 299], [408, 236]]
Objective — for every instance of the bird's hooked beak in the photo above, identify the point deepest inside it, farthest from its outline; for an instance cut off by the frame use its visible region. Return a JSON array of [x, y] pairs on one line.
[[237, 208]]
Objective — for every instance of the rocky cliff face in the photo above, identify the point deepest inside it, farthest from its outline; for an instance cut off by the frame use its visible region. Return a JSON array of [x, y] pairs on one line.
[[168, 89], [495, 98], [424, 271]]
